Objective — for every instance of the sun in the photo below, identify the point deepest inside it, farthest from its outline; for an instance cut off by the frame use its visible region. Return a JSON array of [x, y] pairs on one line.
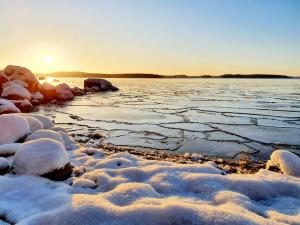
[[48, 59], [50, 80]]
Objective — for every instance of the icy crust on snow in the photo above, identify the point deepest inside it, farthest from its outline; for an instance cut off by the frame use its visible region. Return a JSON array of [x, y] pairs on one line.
[[123, 189]]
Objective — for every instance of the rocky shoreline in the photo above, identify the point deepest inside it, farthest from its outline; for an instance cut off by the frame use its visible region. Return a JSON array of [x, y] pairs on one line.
[[241, 166]]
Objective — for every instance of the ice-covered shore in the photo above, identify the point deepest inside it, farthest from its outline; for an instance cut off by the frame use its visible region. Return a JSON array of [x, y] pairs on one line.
[[122, 188]]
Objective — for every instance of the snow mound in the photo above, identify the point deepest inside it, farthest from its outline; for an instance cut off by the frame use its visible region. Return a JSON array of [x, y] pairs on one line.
[[286, 161], [148, 192], [45, 134], [39, 157], [18, 91], [34, 123], [69, 142], [7, 106], [84, 183], [47, 123], [13, 128]]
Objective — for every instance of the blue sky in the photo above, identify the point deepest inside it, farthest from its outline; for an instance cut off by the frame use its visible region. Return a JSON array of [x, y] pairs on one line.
[[167, 36]]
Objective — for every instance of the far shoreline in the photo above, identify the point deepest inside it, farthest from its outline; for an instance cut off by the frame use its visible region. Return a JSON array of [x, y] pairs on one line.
[[158, 76]]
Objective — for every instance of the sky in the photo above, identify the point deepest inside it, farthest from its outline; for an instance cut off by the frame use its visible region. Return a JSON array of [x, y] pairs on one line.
[[192, 37]]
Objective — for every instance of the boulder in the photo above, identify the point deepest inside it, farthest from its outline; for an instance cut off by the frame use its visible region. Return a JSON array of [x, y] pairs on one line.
[[43, 157], [284, 161], [77, 91], [15, 91], [99, 85], [48, 91], [23, 74], [3, 79], [16, 127], [63, 86], [7, 106], [51, 134], [47, 123], [24, 106], [4, 166], [34, 123], [64, 95], [7, 150]]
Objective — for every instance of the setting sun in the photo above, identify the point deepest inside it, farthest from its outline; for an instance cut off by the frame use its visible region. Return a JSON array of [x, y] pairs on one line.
[[50, 79], [48, 58]]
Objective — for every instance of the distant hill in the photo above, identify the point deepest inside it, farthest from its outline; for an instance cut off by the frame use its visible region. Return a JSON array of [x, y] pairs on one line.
[[148, 75]]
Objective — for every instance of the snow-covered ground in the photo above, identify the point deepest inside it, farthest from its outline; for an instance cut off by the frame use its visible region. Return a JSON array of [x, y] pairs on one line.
[[123, 189]]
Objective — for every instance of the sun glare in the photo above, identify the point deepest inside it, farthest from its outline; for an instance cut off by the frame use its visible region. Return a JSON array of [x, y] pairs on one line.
[[50, 79], [48, 58]]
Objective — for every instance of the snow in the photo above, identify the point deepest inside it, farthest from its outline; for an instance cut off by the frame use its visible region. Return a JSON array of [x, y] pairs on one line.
[[16, 89], [45, 134], [3, 163], [34, 123], [37, 95], [9, 149], [152, 192], [39, 157], [13, 128], [8, 106], [124, 189], [286, 161], [21, 83], [47, 123]]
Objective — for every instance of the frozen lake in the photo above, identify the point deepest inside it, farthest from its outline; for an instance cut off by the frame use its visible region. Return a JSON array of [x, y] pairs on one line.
[[215, 117]]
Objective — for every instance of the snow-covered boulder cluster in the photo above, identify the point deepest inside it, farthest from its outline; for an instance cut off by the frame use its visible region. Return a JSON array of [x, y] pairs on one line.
[[33, 147], [20, 90]]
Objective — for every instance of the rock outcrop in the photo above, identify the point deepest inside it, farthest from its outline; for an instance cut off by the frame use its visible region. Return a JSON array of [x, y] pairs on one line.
[[98, 85], [21, 91]]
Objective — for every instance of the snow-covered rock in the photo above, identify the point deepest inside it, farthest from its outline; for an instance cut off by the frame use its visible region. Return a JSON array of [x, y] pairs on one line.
[[7, 106], [15, 92], [13, 128], [34, 123], [23, 105], [47, 123], [4, 165], [37, 96], [45, 134], [9, 149], [40, 157], [287, 162], [23, 74]]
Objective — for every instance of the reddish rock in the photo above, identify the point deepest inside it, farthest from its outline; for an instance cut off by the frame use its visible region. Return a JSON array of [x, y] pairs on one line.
[[24, 106], [48, 91], [64, 95], [22, 74]]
